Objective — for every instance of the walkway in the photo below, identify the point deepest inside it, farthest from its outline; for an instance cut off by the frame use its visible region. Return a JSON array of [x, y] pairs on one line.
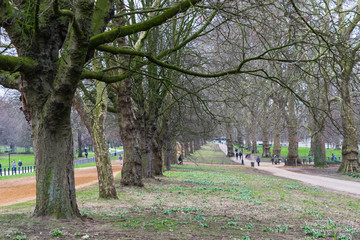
[[325, 182], [24, 189]]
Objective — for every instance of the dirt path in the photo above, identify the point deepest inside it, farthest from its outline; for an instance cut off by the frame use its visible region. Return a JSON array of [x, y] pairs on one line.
[[351, 187], [24, 189]]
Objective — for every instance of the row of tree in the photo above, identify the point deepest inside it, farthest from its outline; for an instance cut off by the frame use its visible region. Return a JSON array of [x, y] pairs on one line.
[[173, 70]]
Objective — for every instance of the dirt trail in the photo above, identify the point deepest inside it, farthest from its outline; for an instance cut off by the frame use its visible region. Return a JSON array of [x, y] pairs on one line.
[[325, 182], [24, 189]]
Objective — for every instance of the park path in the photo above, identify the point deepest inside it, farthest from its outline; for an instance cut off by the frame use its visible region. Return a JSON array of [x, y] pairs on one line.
[[20, 190], [325, 182]]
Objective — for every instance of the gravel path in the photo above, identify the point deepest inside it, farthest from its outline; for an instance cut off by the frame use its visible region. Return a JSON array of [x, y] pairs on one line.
[[351, 187]]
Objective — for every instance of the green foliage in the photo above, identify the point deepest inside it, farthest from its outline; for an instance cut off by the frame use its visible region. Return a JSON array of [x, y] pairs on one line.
[[16, 235], [57, 233]]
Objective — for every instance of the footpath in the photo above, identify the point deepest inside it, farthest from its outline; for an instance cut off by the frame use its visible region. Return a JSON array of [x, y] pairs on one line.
[[280, 171], [20, 190]]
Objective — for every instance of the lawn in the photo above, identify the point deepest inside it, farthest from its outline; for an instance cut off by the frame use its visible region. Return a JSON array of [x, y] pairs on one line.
[[199, 202]]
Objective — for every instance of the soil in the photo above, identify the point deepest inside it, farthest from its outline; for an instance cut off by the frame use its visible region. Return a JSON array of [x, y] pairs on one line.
[[24, 189]]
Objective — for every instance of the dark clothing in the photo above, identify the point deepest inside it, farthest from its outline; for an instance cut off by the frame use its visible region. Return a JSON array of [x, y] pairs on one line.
[[180, 160], [258, 161], [20, 163], [236, 155]]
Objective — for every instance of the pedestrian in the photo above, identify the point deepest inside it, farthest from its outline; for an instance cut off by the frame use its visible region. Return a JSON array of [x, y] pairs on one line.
[[121, 159], [272, 160], [20, 165], [258, 160], [14, 166], [236, 155], [240, 155], [180, 160], [86, 152]]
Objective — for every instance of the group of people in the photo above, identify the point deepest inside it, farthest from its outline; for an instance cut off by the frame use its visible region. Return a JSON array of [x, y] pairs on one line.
[[275, 160]]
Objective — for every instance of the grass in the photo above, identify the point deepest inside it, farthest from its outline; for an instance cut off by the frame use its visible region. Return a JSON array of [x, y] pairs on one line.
[[200, 202], [210, 154], [303, 151]]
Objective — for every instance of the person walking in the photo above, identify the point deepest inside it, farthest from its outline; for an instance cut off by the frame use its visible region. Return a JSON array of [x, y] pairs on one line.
[[121, 159], [258, 160], [86, 152], [237, 155], [14, 166]]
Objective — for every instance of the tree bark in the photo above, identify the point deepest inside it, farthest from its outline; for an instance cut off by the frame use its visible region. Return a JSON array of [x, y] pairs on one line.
[[191, 146], [266, 146], [94, 120], [293, 154], [350, 154], [79, 144], [229, 141], [157, 155], [131, 173], [53, 149], [186, 149], [277, 145]]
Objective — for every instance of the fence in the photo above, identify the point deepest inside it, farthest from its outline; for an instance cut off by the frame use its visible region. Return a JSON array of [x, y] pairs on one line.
[[29, 169], [16, 170], [92, 159]]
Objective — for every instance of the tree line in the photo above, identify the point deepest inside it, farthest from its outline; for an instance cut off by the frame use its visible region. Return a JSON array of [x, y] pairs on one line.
[[170, 71]]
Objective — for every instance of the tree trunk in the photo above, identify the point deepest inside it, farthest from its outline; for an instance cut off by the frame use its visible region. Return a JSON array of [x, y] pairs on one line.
[[277, 145], [266, 145], [229, 141], [197, 144], [247, 138], [53, 149], [186, 148], [191, 146], [157, 156], [254, 148], [79, 144], [350, 154], [131, 173], [94, 120], [293, 154], [318, 147]]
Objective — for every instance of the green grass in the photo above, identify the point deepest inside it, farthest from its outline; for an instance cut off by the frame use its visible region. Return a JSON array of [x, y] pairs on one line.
[[303, 151], [210, 153], [200, 202]]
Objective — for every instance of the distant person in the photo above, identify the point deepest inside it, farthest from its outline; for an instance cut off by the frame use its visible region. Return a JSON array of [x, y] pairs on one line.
[[14, 166], [258, 160], [237, 155], [86, 152], [180, 160], [20, 164], [236, 150], [240, 155], [272, 160], [121, 159]]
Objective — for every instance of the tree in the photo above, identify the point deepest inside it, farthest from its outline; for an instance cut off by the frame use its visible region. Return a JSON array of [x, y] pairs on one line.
[[54, 40]]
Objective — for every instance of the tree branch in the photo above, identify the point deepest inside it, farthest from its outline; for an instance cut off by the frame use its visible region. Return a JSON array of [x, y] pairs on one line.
[[10, 80], [17, 64], [123, 31]]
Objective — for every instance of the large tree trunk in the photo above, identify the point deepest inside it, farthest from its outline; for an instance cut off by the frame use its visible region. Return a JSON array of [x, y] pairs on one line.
[[350, 154], [293, 154], [53, 149], [131, 173]]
